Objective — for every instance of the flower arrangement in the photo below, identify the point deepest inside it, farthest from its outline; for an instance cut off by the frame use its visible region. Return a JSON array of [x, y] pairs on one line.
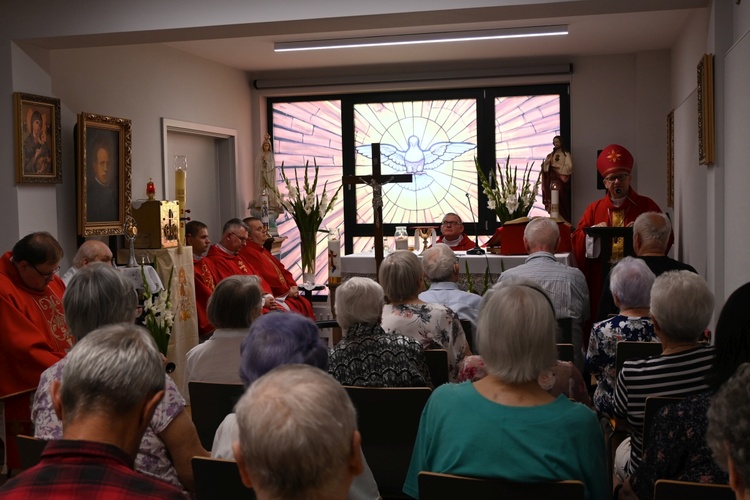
[[157, 308], [508, 199], [308, 211]]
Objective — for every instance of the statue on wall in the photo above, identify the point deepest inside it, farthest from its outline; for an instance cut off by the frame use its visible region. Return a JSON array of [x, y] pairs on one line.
[[265, 175]]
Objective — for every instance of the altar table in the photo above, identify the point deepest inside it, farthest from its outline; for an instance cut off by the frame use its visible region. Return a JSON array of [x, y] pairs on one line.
[[363, 264]]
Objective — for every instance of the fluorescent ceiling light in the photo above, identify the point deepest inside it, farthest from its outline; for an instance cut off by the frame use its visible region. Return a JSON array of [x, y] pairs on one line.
[[451, 36]]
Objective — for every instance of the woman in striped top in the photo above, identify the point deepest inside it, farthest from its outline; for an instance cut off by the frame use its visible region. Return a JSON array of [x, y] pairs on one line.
[[681, 308]]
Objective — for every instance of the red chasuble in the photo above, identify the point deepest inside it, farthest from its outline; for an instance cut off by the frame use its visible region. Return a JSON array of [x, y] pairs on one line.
[[227, 264], [604, 211], [466, 243], [205, 282], [276, 275], [34, 336]]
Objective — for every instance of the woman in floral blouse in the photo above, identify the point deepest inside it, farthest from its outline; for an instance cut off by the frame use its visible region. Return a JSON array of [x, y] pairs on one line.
[[433, 325], [630, 284]]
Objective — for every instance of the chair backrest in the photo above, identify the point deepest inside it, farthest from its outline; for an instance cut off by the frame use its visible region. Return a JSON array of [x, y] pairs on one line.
[[666, 489], [30, 450], [388, 419], [653, 405], [635, 350], [209, 404], [434, 486], [565, 352], [437, 362], [468, 333], [566, 330], [216, 478]]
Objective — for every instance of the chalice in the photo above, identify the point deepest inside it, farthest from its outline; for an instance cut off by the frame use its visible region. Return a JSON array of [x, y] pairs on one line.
[[425, 233]]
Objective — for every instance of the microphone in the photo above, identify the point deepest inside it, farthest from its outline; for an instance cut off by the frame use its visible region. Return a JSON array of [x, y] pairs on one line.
[[476, 250]]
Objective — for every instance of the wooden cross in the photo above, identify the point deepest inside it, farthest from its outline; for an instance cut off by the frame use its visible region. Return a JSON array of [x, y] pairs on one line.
[[376, 181]]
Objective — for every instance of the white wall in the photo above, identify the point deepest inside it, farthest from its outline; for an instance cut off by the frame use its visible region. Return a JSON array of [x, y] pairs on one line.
[[145, 83]]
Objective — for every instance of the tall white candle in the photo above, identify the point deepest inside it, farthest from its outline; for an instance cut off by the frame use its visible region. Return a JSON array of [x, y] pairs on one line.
[[334, 258]]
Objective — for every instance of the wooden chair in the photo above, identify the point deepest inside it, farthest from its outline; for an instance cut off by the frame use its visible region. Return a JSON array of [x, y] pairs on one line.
[[566, 327], [434, 486], [30, 449], [635, 350], [565, 352], [654, 404], [216, 478], [388, 420], [437, 362], [209, 404], [666, 489], [467, 328]]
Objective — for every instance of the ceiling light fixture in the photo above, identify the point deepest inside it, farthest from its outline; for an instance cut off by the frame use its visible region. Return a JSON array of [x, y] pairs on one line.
[[451, 36]]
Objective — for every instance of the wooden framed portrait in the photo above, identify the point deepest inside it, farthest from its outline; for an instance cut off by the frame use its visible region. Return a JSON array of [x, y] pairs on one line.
[[670, 159], [103, 155], [706, 147], [38, 141]]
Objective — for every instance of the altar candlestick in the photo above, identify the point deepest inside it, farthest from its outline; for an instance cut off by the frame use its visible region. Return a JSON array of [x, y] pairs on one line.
[[180, 188]]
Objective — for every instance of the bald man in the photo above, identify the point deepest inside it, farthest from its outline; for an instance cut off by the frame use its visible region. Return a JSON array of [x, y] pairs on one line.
[[90, 251]]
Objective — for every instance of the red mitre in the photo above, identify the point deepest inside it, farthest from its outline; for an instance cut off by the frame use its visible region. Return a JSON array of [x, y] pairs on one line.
[[614, 158]]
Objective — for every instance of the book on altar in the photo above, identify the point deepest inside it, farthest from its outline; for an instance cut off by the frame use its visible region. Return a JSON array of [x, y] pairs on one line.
[[508, 239]]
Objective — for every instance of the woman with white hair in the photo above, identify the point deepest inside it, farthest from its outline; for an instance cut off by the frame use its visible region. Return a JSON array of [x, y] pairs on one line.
[[515, 430], [367, 356], [681, 307], [433, 325], [630, 284]]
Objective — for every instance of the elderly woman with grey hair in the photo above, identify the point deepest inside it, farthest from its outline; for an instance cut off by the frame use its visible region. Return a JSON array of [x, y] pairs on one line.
[[367, 356], [630, 284], [516, 336], [100, 295], [681, 307], [433, 325], [235, 303]]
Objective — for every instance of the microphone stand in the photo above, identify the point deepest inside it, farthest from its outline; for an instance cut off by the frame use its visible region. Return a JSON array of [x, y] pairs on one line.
[[476, 250]]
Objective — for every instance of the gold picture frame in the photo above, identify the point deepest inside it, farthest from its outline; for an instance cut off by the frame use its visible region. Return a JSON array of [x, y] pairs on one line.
[[38, 141], [103, 174], [670, 159], [706, 135]]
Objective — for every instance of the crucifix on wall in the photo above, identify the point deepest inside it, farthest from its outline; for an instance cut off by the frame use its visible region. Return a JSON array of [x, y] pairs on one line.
[[376, 181]]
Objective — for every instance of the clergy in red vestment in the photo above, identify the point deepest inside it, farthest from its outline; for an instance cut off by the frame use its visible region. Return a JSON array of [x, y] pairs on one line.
[[33, 332], [281, 281], [227, 261], [196, 235], [452, 233], [619, 208]]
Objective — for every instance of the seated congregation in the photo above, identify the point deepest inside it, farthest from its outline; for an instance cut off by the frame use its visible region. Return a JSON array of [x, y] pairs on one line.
[[511, 410]]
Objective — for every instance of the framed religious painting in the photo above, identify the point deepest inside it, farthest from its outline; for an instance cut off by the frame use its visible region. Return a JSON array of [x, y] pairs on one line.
[[38, 141], [103, 157], [670, 159], [706, 137]]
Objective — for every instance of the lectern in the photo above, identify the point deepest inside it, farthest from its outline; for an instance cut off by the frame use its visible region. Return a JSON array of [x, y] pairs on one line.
[[607, 236]]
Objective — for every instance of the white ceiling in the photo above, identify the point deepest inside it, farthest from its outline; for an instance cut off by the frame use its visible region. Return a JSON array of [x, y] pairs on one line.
[[597, 27]]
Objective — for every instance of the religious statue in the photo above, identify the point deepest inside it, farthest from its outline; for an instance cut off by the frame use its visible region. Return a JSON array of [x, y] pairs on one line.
[[557, 168], [265, 204]]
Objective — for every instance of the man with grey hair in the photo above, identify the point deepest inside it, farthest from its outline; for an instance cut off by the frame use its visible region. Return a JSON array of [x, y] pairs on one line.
[[440, 264], [90, 251], [651, 233], [565, 285], [287, 447], [112, 382]]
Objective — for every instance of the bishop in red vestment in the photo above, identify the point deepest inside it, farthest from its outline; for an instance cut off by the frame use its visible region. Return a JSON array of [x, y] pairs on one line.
[[619, 208], [273, 272], [33, 332]]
